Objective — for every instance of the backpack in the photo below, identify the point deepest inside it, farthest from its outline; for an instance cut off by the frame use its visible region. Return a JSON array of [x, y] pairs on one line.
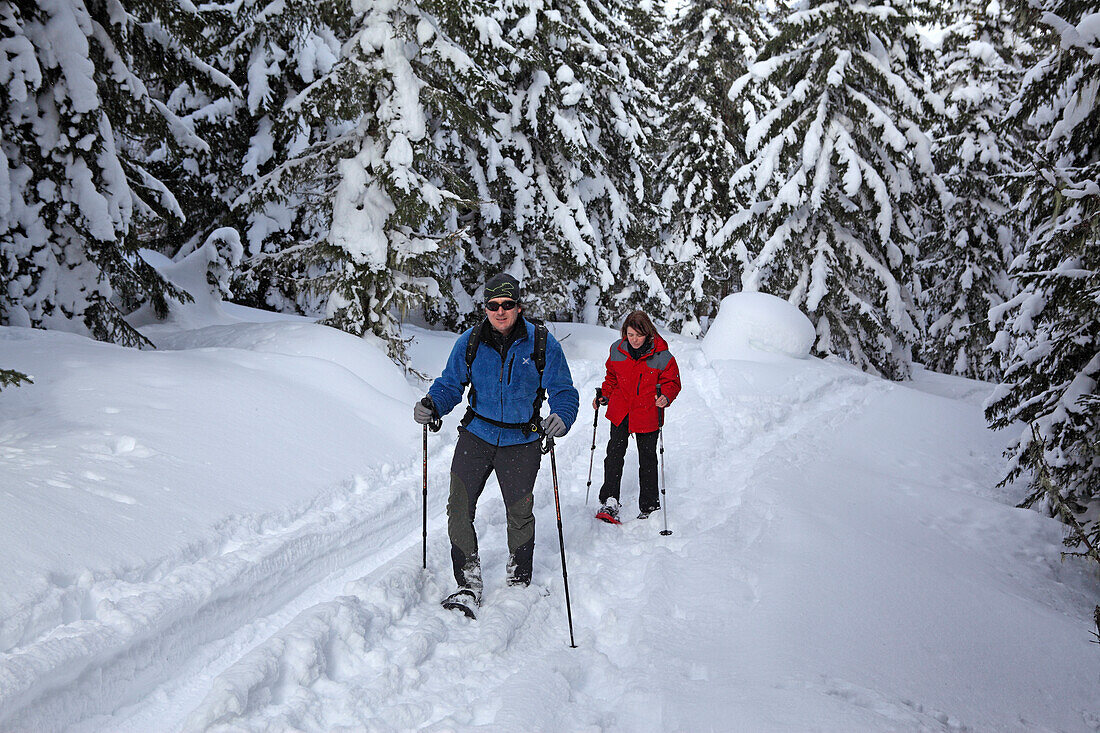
[[538, 355]]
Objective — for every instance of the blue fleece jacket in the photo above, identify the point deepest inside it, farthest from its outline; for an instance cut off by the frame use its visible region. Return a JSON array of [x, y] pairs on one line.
[[505, 388]]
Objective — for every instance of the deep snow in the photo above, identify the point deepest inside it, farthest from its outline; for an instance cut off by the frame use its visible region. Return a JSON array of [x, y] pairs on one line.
[[224, 534]]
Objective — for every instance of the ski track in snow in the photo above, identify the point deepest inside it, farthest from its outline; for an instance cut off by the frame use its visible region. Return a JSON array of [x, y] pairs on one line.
[[260, 644], [116, 630]]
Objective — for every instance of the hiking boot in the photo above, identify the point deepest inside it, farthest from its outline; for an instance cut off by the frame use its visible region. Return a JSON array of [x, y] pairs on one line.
[[471, 579], [518, 576], [609, 512], [643, 514]]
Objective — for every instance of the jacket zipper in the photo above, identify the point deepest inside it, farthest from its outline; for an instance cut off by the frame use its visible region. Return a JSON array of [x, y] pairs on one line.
[[503, 358], [644, 362]]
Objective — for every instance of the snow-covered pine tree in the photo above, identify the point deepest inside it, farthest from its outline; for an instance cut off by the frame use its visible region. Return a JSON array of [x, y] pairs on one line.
[[964, 266], [1051, 333], [88, 127], [630, 120], [273, 52], [714, 42], [372, 198], [842, 164], [571, 163], [462, 77]]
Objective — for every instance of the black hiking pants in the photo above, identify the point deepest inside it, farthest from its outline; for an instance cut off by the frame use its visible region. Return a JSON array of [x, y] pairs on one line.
[[516, 467], [648, 498]]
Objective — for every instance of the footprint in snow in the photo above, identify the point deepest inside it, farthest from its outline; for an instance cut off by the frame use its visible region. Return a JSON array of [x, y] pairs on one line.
[[123, 444]]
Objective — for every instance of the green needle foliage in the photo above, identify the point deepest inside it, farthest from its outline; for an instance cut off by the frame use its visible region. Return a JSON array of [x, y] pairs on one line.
[[1050, 334], [12, 378]]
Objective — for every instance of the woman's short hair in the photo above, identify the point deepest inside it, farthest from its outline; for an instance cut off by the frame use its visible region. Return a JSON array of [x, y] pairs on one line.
[[640, 322]]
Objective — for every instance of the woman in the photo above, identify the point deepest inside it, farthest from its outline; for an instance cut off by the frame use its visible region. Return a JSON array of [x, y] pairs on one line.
[[642, 379]]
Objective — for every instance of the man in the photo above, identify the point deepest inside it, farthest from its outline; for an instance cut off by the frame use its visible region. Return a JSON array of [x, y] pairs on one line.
[[501, 430]]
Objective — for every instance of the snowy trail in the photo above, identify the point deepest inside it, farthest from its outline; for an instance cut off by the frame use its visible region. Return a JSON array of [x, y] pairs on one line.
[[383, 655], [817, 539]]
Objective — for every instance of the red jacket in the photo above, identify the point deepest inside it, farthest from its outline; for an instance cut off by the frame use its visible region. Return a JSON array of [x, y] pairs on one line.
[[631, 385]]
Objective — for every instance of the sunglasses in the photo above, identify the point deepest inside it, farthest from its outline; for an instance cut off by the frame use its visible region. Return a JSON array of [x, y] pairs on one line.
[[495, 306]]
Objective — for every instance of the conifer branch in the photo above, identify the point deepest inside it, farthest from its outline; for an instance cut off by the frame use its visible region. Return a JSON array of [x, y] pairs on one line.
[[1050, 491], [12, 378]]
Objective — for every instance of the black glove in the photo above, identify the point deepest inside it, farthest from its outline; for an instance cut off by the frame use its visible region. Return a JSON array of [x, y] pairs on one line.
[[553, 426], [423, 413]]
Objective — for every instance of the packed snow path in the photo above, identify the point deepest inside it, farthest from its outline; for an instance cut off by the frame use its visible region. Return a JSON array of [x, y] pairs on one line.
[[836, 564]]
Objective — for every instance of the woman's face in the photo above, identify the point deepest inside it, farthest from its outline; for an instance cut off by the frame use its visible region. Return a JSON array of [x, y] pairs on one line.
[[634, 338]]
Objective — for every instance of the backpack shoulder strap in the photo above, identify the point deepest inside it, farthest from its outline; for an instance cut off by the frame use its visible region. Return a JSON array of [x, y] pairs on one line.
[[471, 349], [539, 353]]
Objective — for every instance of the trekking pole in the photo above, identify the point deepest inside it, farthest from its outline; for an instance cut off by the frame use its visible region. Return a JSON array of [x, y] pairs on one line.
[[661, 438], [436, 423], [425, 565], [592, 455], [549, 447]]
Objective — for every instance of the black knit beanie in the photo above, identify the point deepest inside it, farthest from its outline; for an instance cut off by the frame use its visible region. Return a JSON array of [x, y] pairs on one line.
[[502, 286]]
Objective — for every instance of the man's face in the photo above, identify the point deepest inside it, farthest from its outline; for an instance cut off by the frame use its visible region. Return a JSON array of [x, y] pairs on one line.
[[505, 315]]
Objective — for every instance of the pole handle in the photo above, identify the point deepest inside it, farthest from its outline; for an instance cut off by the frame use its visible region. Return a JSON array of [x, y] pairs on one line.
[[436, 421], [660, 411]]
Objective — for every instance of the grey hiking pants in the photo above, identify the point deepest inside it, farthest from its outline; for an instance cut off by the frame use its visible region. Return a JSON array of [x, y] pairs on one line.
[[516, 467]]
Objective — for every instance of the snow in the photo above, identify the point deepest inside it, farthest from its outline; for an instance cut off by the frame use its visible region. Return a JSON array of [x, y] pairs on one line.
[[1077, 110], [1089, 29], [225, 534], [93, 206], [260, 150], [65, 34], [360, 210], [317, 56], [758, 323]]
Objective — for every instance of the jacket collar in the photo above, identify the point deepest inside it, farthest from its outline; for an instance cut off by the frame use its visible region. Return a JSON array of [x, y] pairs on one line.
[[655, 345], [503, 342]]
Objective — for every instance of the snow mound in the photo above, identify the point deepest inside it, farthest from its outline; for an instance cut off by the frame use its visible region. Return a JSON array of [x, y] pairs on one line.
[[190, 274], [748, 322], [211, 323], [362, 358]]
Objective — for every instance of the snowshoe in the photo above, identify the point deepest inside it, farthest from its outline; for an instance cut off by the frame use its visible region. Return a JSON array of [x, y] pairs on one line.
[[609, 512], [463, 600]]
